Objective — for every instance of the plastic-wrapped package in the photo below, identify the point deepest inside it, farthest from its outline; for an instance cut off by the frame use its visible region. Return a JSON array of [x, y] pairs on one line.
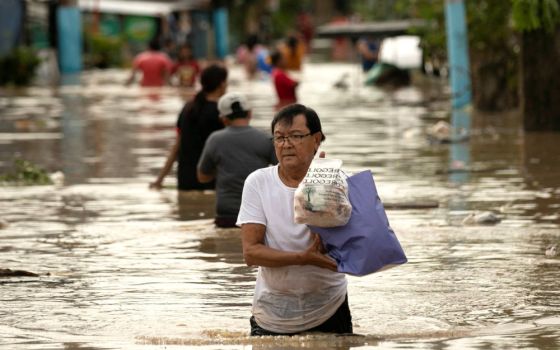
[[321, 199]]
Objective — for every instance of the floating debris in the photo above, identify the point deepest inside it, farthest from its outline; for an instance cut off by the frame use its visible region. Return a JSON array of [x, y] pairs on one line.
[[551, 250], [57, 178], [342, 83], [16, 273], [442, 132], [482, 218]]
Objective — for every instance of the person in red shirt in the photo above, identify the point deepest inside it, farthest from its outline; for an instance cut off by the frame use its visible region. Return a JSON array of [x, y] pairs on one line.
[[153, 64], [186, 68], [285, 86]]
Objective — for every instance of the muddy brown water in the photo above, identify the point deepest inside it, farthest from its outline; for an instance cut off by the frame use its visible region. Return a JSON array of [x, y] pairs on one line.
[[124, 267]]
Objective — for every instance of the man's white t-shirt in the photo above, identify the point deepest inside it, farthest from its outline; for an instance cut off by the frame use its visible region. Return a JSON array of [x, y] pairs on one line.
[[293, 298]]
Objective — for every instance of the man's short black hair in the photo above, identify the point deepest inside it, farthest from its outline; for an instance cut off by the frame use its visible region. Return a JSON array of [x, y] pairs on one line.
[[154, 44], [238, 111], [288, 113], [275, 58]]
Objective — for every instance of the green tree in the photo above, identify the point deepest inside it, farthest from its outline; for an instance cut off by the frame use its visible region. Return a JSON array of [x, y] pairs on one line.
[[378, 10], [104, 51], [514, 52], [493, 47], [538, 21], [259, 17], [531, 15], [18, 66]]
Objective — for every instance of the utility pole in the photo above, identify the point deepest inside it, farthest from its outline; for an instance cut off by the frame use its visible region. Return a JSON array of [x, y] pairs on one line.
[[458, 53], [69, 29], [221, 28], [460, 81], [220, 19]]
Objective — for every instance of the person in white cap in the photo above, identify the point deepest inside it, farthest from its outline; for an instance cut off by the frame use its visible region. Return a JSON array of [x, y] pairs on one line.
[[231, 154]]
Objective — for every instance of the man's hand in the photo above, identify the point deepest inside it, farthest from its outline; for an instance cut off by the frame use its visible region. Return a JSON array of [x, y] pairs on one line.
[[156, 185], [315, 255]]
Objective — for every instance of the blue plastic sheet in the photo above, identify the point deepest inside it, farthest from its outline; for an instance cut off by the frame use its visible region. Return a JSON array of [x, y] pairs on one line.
[[367, 243]]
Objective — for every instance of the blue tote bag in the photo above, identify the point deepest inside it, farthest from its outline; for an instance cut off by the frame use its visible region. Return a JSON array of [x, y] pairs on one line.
[[366, 244]]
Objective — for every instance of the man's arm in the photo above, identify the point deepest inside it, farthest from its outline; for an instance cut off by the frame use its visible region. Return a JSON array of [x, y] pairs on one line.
[[206, 167], [171, 157], [167, 72], [256, 253], [292, 82], [135, 68], [365, 50], [203, 177], [131, 77]]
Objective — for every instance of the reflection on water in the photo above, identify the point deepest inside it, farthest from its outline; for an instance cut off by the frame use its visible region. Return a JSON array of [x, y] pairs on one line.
[[124, 267], [192, 205]]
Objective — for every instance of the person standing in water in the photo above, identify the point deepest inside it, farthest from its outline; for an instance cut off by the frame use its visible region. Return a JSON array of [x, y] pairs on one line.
[[186, 69], [284, 85], [293, 52], [154, 65], [231, 154], [298, 288], [197, 120], [368, 48]]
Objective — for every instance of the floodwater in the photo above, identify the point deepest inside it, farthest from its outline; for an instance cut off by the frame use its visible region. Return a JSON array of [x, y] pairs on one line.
[[124, 267]]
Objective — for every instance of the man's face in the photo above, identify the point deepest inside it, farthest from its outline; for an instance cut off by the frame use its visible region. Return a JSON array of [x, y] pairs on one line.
[[299, 150]]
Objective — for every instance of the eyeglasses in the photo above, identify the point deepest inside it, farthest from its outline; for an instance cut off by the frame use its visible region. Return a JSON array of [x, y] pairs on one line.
[[293, 139]]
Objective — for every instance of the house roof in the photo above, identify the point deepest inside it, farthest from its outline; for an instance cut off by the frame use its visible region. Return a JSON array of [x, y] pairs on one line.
[[375, 29], [140, 7]]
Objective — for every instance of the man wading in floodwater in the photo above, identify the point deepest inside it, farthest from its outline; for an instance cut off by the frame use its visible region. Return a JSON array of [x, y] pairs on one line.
[[297, 288], [231, 154]]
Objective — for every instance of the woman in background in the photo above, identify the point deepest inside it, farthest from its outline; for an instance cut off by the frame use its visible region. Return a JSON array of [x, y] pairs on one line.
[[197, 120]]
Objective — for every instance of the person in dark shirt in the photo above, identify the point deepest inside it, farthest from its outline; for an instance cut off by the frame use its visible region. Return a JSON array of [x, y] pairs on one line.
[[197, 120], [368, 48]]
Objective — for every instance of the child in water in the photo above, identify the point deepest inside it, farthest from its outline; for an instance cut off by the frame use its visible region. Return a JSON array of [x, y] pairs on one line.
[[186, 68]]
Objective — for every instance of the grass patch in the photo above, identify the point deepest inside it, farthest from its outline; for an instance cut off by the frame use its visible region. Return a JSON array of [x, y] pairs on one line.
[[25, 174]]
